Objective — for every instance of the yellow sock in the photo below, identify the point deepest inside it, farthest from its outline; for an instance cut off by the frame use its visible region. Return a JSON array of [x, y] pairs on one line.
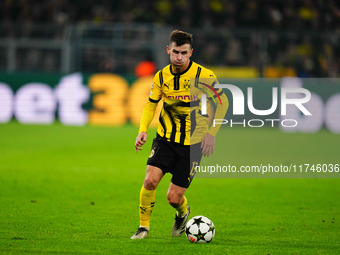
[[183, 208], [147, 202]]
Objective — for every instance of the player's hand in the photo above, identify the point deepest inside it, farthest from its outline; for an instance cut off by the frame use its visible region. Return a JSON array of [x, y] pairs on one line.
[[140, 140], [208, 145]]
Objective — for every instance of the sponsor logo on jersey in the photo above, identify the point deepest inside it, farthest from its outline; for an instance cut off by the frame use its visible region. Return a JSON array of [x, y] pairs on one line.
[[193, 97]]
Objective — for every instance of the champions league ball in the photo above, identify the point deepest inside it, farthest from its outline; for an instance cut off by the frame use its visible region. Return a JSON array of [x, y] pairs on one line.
[[200, 229]]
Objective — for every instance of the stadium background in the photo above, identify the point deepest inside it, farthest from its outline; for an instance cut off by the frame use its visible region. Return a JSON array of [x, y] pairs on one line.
[[72, 186]]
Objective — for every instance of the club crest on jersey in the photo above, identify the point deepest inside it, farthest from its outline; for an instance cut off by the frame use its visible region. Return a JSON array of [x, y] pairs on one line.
[[186, 84]]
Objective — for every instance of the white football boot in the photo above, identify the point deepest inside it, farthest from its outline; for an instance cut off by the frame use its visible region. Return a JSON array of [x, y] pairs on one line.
[[141, 233], [179, 225]]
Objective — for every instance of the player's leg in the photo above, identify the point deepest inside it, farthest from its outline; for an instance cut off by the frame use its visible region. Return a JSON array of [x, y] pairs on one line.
[[148, 194], [177, 200], [183, 173], [147, 200]]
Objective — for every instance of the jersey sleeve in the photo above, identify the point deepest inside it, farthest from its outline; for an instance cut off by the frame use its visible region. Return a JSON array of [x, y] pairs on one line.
[[209, 78], [217, 95], [156, 88], [221, 106], [150, 107], [220, 112], [215, 81]]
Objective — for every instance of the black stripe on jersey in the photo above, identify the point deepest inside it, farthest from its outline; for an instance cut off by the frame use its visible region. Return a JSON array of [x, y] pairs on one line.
[[187, 104], [182, 128], [173, 124], [197, 76], [193, 121], [154, 101], [198, 72], [176, 82], [183, 104], [161, 78], [161, 120], [203, 115], [195, 103]]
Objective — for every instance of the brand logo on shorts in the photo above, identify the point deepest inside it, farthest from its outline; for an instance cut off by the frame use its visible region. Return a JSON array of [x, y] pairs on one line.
[[152, 153]]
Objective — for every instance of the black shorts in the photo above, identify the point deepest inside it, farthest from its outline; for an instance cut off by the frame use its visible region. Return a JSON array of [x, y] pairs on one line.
[[177, 159]]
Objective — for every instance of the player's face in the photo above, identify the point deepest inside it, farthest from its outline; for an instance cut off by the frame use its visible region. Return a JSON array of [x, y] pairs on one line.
[[179, 55]]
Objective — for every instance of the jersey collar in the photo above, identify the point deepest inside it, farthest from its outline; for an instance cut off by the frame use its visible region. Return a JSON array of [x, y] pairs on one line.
[[177, 74]]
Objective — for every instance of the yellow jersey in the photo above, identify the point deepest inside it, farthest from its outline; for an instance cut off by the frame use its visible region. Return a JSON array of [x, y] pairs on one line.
[[181, 104]]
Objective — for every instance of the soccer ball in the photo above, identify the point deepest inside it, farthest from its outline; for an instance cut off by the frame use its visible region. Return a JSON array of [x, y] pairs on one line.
[[200, 229]]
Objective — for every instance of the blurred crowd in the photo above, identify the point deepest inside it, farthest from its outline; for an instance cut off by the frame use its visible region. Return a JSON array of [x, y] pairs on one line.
[[297, 34], [274, 53], [283, 14]]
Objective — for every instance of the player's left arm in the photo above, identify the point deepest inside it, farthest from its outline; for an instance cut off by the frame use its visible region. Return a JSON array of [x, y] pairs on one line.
[[208, 141]]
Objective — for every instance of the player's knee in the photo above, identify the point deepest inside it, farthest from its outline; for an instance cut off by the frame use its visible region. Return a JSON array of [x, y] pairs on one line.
[[174, 199], [150, 183]]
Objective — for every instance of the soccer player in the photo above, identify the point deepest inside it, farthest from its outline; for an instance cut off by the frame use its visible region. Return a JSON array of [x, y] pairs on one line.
[[172, 149]]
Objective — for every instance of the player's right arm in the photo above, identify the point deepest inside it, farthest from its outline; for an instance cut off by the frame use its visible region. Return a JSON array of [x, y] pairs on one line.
[[149, 111], [140, 140]]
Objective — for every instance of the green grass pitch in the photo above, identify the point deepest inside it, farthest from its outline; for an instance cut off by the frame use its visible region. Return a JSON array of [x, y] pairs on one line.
[[75, 190]]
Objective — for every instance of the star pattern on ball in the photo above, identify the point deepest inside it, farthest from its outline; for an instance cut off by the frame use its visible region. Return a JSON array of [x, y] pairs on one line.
[[187, 231], [197, 221], [200, 236]]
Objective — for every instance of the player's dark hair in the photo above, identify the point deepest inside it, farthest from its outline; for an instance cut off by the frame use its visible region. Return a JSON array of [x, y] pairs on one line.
[[180, 38]]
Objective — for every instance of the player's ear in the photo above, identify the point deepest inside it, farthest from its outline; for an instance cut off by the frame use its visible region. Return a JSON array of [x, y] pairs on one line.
[[191, 52], [168, 49]]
